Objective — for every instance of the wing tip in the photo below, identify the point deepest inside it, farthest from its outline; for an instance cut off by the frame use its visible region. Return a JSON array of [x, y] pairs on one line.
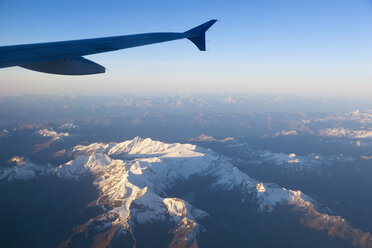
[[197, 35]]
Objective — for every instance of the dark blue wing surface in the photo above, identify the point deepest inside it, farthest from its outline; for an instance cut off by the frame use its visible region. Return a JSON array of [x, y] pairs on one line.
[[65, 57]]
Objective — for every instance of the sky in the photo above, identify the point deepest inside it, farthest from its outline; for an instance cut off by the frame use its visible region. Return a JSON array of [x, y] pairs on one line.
[[297, 47]]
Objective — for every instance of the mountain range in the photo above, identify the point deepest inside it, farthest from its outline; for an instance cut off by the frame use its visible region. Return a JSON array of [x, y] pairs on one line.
[[142, 182]]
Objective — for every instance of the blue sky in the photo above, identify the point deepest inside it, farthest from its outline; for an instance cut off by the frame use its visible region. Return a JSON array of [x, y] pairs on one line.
[[317, 47]]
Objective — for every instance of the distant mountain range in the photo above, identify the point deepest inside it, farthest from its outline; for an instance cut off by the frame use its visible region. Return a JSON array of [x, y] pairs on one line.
[[139, 183]]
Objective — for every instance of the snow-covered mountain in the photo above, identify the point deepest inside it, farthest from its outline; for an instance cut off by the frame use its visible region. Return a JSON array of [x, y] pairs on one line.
[[20, 169], [133, 177], [53, 134], [4, 132], [68, 126], [299, 162], [310, 162], [204, 137]]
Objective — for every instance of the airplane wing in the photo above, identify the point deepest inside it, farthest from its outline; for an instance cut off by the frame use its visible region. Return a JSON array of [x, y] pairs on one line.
[[66, 57]]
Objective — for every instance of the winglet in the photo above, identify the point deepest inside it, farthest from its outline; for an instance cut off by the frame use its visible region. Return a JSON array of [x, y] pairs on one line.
[[197, 34]]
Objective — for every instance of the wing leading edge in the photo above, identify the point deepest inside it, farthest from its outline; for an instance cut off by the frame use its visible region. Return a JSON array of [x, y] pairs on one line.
[[65, 57]]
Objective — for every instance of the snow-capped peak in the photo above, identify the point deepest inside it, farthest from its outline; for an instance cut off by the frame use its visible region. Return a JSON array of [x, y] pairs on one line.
[[138, 146], [68, 126], [132, 178], [18, 160], [53, 134], [4, 132]]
